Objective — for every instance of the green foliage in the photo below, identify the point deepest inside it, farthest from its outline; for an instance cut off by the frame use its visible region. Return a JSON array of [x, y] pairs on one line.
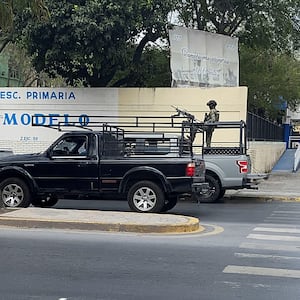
[[156, 69], [267, 23], [273, 24], [10, 9], [218, 16], [24, 74], [271, 77], [96, 41], [6, 19], [152, 71]]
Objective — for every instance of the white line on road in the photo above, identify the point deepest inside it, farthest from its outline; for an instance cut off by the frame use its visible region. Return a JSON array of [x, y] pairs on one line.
[[270, 247], [286, 238], [256, 255], [262, 271], [279, 225], [283, 218], [272, 229], [291, 223], [286, 212], [237, 284]]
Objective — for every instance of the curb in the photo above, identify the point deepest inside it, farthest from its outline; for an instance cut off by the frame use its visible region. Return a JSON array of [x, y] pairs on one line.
[[191, 225]]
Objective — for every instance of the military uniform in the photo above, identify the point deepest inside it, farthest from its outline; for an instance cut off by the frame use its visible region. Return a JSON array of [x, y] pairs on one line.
[[211, 117]]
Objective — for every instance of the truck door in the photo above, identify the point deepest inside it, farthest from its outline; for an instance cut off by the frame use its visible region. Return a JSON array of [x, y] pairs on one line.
[[71, 164], [112, 162]]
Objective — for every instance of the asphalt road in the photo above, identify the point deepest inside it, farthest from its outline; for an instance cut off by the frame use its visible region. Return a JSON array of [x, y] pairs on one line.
[[249, 251]]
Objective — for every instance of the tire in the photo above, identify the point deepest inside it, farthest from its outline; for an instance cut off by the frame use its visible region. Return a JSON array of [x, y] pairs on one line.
[[169, 204], [222, 193], [15, 192], [214, 191], [146, 196], [47, 201]]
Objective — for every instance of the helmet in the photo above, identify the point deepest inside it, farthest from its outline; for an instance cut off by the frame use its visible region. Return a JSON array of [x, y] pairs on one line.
[[211, 103]]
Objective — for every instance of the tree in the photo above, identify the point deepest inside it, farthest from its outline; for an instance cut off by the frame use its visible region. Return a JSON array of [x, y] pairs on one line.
[[269, 33], [153, 70], [99, 42], [22, 71], [272, 79], [10, 8], [268, 23]]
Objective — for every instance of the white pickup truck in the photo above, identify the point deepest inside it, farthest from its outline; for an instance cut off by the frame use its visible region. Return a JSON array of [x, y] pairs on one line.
[[228, 166]]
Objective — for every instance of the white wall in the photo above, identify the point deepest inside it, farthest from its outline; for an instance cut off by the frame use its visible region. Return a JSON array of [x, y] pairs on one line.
[[264, 155]]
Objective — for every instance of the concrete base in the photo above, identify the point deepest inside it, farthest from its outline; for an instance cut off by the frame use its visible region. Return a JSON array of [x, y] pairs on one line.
[[99, 220]]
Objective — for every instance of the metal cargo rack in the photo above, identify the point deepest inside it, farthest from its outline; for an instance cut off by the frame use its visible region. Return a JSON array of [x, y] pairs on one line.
[[163, 128], [159, 135], [238, 147]]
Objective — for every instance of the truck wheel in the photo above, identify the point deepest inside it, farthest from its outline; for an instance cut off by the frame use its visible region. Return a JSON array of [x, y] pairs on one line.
[[15, 193], [169, 204], [146, 196], [222, 193], [213, 193], [47, 201]]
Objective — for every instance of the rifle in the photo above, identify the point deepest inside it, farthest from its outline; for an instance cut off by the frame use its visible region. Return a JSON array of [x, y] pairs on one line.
[[192, 123], [184, 113]]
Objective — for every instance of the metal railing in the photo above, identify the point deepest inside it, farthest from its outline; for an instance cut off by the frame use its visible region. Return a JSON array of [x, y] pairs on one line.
[[296, 158], [260, 129]]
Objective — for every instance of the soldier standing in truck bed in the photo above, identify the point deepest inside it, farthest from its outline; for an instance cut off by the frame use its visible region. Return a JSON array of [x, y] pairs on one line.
[[211, 117]]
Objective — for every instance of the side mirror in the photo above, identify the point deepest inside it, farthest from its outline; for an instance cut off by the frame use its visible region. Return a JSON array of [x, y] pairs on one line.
[[49, 153]]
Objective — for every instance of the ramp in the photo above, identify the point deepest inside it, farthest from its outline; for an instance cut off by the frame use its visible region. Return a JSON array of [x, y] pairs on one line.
[[285, 162]]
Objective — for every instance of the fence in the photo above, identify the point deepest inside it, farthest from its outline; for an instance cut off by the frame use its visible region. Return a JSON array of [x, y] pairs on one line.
[[260, 129]]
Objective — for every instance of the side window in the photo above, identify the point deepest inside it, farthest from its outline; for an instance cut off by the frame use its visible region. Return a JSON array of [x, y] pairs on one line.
[[71, 146], [111, 146]]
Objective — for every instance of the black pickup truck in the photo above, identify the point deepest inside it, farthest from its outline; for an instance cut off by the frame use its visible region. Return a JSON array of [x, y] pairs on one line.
[[93, 164]]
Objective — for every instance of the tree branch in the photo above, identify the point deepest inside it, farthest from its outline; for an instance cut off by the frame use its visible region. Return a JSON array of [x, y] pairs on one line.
[[4, 42]]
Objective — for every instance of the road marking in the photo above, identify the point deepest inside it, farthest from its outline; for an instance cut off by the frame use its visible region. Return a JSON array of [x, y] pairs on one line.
[[215, 230], [238, 285], [277, 225], [271, 229], [270, 247], [232, 269], [256, 255], [287, 238], [286, 212], [280, 222], [283, 218]]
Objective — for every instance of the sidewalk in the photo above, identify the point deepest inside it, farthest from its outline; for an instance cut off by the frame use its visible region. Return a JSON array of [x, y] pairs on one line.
[[280, 186]]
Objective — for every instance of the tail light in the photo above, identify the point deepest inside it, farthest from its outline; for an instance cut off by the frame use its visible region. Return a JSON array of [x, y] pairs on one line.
[[243, 165], [190, 169]]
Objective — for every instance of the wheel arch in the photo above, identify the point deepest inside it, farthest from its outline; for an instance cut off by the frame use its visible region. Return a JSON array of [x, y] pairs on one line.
[[8, 172], [144, 173]]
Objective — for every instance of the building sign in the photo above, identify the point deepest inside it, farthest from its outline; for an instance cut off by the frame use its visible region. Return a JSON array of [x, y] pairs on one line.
[[295, 127], [49, 106], [204, 59]]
